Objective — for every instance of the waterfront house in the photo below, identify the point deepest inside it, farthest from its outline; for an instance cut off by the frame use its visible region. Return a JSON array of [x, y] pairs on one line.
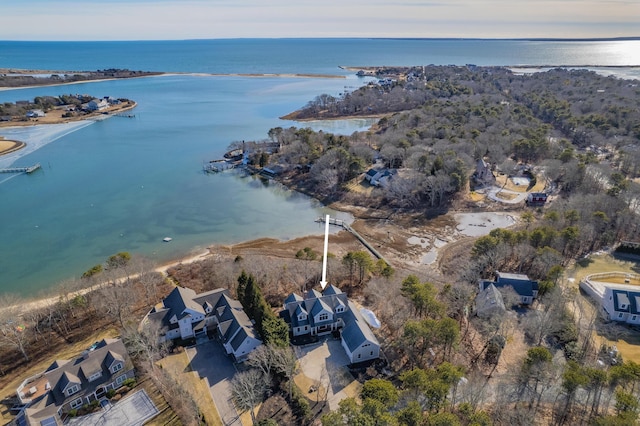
[[97, 104], [183, 314], [69, 384], [378, 177], [35, 113], [526, 289], [318, 314]]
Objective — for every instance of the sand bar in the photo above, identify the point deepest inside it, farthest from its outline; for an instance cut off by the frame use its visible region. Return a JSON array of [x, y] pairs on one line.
[[35, 137]]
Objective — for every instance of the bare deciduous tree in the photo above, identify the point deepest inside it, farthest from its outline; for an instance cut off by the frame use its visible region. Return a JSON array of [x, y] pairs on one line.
[[248, 389]]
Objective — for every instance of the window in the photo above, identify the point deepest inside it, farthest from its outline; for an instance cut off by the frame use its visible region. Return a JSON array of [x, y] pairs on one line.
[[302, 317], [76, 403], [116, 367], [620, 315], [121, 379], [305, 328], [95, 376], [323, 317], [371, 353], [633, 318], [359, 355], [71, 390], [340, 309]]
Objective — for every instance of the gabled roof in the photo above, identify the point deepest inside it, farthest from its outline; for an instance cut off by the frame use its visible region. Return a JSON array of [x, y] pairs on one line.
[[178, 301], [331, 289], [320, 306], [300, 310], [356, 331], [489, 299], [181, 298], [520, 283], [74, 371], [312, 294], [292, 298]]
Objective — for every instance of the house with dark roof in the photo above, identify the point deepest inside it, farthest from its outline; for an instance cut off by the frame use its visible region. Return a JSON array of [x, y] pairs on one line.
[[70, 384], [183, 314], [489, 302], [536, 199], [526, 289], [483, 174], [318, 314], [622, 303], [378, 177]]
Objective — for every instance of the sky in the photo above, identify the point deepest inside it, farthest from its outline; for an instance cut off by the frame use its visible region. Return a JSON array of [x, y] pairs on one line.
[[210, 19]]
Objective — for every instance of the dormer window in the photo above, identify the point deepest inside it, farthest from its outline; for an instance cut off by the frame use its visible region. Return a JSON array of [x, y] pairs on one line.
[[302, 317], [323, 317], [116, 367], [623, 306], [339, 309], [95, 376], [72, 389]]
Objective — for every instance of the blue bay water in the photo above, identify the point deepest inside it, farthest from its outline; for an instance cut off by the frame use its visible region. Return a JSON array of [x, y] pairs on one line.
[[123, 184]]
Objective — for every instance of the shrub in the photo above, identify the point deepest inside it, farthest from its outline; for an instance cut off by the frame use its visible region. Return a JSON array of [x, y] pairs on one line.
[[111, 393], [73, 413], [129, 383]]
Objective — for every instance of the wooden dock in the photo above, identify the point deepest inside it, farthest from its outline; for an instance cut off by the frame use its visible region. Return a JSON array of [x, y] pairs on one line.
[[27, 170], [346, 227]]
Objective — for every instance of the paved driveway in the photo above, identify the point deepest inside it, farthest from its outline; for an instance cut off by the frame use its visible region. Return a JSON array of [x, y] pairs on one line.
[[325, 363], [133, 410], [211, 363]]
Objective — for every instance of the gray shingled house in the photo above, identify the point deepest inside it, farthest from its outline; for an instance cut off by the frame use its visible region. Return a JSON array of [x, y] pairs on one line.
[[317, 314], [489, 302], [184, 314], [70, 384], [526, 289]]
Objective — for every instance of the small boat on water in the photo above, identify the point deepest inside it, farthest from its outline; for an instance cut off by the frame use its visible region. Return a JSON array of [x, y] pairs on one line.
[[167, 239]]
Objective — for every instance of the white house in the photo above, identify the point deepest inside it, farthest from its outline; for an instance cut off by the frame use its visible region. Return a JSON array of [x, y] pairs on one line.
[[317, 314], [97, 104], [622, 303], [184, 314], [378, 177], [35, 113]]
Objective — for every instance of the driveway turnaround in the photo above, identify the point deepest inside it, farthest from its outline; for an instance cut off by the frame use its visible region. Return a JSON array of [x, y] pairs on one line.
[[326, 362], [211, 363], [133, 410]]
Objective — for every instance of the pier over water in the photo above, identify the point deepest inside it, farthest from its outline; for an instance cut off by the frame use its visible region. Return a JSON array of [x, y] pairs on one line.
[[27, 170]]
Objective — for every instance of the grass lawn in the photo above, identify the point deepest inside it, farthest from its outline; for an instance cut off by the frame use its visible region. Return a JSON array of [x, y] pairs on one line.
[[360, 186], [629, 343], [178, 366], [166, 416], [601, 263]]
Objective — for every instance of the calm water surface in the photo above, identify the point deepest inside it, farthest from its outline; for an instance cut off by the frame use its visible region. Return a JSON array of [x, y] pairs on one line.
[[124, 184]]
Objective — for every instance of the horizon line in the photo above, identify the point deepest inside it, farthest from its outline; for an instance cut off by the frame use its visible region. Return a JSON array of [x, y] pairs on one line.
[[559, 39]]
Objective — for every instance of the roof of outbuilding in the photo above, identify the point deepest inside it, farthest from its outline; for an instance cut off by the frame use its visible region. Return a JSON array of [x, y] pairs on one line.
[[356, 331]]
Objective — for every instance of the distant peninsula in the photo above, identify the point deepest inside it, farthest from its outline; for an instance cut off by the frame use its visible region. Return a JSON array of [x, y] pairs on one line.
[[57, 110], [15, 78]]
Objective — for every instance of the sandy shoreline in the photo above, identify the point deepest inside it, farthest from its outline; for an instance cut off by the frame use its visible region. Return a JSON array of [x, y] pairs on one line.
[[252, 75]]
